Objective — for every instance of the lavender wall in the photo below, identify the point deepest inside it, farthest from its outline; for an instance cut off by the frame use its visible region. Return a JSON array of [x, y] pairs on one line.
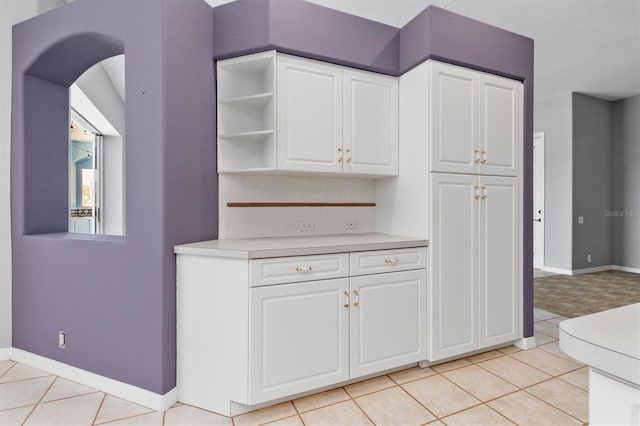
[[309, 30], [119, 308]]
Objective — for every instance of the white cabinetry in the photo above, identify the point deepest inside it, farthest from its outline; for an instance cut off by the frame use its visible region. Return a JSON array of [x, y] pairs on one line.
[[475, 263], [326, 119], [476, 122], [278, 327]]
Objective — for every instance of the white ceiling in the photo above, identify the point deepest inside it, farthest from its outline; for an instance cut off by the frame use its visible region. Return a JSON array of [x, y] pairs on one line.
[[587, 46]]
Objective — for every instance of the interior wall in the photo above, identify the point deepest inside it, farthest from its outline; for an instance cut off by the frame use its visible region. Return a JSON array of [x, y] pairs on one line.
[[11, 12], [625, 208], [591, 181], [554, 118]]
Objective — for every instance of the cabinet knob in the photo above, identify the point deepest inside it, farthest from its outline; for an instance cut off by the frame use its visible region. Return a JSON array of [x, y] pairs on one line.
[[357, 302], [346, 299], [484, 192], [477, 192], [484, 157], [477, 153], [348, 155], [391, 261], [306, 269], [339, 155]]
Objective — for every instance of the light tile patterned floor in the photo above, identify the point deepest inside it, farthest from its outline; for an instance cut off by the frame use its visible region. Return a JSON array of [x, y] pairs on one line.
[[505, 386]]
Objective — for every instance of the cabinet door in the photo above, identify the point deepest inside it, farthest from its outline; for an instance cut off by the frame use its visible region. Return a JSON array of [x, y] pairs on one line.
[[453, 119], [452, 294], [499, 260], [299, 338], [370, 124], [500, 133], [309, 116], [388, 322]]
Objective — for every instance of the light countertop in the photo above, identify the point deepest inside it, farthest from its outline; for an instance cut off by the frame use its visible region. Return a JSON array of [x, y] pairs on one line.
[[255, 248], [608, 341]]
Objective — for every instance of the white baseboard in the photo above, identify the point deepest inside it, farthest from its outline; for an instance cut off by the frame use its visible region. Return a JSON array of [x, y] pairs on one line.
[[122, 390], [626, 269], [5, 353], [557, 270], [526, 343], [592, 270]]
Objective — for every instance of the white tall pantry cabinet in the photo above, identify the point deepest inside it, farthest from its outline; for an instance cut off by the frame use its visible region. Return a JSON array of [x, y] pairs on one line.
[[459, 186]]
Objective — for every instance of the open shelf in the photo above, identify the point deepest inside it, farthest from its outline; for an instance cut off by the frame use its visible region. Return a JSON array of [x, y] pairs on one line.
[[249, 136], [253, 101], [246, 113]]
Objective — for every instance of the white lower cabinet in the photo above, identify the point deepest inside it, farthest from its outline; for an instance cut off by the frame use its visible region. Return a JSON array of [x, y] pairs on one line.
[[308, 335], [474, 285], [293, 337]]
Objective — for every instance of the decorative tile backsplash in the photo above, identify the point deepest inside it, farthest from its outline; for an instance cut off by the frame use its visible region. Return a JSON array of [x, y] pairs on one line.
[[248, 222]]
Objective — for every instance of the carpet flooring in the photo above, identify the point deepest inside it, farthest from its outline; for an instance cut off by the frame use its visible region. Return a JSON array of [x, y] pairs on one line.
[[574, 296]]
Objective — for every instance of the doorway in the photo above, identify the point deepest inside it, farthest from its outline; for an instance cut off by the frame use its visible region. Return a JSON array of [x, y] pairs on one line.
[[538, 201]]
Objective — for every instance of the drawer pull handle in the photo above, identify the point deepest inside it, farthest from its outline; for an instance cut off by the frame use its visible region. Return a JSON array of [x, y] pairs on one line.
[[346, 299], [357, 302], [391, 261], [307, 269]]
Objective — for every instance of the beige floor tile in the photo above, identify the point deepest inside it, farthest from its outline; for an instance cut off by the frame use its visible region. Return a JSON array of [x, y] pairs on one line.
[[394, 407], [344, 413], [547, 327], [477, 416], [5, 366], [63, 388], [188, 415], [509, 349], [543, 339], [22, 372], [16, 416], [524, 409], [484, 356], [554, 348], [543, 360], [79, 410], [436, 423], [24, 392], [369, 386], [578, 378], [411, 374], [480, 383], [114, 408], [564, 396], [289, 421], [151, 419], [540, 315], [514, 371], [265, 415], [451, 365], [440, 396], [320, 400]]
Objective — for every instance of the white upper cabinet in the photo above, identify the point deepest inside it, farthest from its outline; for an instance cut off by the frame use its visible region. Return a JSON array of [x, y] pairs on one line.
[[309, 118], [282, 113], [476, 122], [370, 124], [500, 131], [454, 111]]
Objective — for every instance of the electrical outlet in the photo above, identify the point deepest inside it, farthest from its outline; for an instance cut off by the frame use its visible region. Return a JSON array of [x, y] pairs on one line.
[[580, 220], [307, 226], [350, 225], [62, 339], [588, 258]]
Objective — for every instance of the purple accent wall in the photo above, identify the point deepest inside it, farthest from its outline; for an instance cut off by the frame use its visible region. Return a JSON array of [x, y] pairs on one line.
[[305, 29], [114, 296]]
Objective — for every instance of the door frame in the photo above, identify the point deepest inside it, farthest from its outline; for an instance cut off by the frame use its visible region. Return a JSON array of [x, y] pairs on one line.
[[539, 190]]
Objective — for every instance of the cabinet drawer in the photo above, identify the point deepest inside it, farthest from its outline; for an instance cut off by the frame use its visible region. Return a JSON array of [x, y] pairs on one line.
[[374, 262], [299, 268]]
